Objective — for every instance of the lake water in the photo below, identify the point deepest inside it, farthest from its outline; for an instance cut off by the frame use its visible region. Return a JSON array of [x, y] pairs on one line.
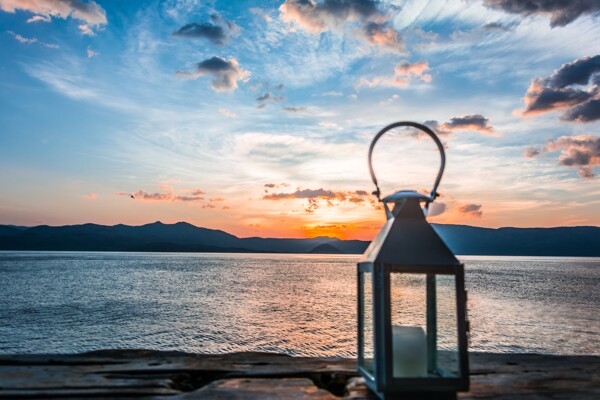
[[70, 302]]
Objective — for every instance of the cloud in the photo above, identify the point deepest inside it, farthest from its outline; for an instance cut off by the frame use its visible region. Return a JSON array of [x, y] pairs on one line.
[[495, 26], [91, 53], [89, 12], [436, 208], [261, 13], [302, 194], [581, 152], [91, 196], [294, 109], [38, 18], [217, 30], [192, 195], [586, 112], [540, 98], [404, 73], [227, 113], [196, 192], [86, 30], [268, 98], [472, 122], [216, 199], [225, 73], [276, 185], [383, 36], [531, 152], [471, 210], [24, 40], [370, 16], [574, 88], [560, 12], [315, 198]]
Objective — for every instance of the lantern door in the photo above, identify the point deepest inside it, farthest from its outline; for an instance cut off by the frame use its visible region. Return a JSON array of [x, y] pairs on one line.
[[425, 329]]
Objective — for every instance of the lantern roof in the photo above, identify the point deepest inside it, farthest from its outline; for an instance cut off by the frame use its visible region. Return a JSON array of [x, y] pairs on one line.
[[408, 239]]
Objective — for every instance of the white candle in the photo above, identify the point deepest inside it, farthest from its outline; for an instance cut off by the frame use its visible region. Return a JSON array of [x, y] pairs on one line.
[[410, 351]]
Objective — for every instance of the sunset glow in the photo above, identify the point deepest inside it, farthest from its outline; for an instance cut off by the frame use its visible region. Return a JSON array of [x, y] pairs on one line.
[[255, 117]]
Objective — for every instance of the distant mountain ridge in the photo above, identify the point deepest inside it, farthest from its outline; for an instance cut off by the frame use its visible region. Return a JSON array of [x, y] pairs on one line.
[[185, 237]]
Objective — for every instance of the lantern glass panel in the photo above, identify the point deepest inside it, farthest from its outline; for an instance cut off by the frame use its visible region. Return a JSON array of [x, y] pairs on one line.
[[424, 332], [447, 326], [366, 346], [409, 325]]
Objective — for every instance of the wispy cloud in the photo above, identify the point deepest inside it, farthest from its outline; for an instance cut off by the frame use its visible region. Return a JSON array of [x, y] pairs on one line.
[[24, 40], [169, 196], [39, 18], [227, 113], [404, 73], [294, 109], [267, 98], [91, 53]]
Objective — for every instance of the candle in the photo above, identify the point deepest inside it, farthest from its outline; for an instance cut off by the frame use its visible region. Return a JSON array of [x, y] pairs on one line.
[[410, 351]]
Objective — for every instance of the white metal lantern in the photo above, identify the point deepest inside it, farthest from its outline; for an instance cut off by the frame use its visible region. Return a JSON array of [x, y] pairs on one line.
[[412, 326]]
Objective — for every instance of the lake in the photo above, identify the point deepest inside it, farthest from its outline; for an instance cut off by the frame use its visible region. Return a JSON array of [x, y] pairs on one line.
[[67, 302]]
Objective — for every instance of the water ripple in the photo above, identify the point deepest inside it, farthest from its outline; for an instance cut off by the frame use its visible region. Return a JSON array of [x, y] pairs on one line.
[[296, 304]]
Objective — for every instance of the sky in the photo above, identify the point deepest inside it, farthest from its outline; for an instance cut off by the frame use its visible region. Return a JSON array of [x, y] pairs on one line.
[[255, 117]]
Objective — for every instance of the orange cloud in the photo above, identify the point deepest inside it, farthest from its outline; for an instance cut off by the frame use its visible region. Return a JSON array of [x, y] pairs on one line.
[[91, 196], [371, 17], [92, 14], [317, 197]]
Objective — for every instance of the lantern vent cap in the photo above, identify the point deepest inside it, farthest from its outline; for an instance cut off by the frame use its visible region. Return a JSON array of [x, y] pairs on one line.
[[404, 194]]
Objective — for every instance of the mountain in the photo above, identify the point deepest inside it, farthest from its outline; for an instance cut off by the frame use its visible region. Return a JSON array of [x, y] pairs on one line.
[[561, 241], [184, 237]]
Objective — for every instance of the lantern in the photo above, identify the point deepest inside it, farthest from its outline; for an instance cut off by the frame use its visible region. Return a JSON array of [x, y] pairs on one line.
[[412, 326]]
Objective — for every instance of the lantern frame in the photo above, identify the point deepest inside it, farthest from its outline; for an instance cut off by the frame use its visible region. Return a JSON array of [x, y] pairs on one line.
[[407, 244]]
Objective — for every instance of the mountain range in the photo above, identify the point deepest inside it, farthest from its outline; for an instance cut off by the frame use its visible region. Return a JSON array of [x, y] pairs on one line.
[[184, 237]]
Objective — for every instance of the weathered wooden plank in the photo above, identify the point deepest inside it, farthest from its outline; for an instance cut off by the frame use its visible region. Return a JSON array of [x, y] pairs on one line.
[[141, 373], [261, 388]]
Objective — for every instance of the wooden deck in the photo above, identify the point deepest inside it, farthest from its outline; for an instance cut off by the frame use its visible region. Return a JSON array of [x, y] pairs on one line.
[[175, 375]]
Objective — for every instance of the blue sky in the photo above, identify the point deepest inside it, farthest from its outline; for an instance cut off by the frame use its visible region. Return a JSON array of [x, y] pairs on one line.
[[255, 117]]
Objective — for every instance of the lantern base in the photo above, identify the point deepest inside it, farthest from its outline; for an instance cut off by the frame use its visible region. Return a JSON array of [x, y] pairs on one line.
[[417, 396]]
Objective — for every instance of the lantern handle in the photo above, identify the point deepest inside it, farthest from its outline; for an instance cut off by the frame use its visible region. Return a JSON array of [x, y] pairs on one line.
[[423, 128]]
